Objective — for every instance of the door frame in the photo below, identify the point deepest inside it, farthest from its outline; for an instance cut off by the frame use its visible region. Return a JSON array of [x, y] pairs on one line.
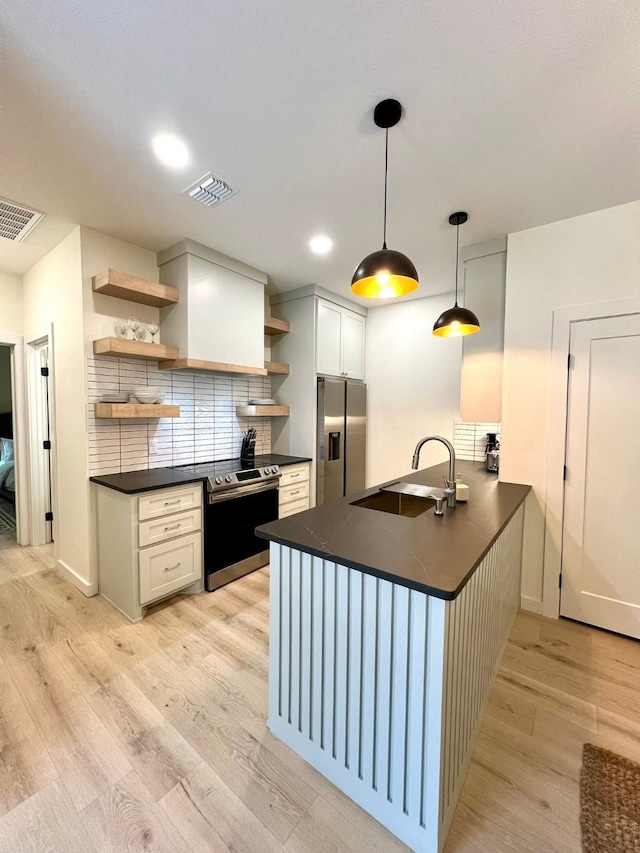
[[38, 476], [20, 434], [557, 435]]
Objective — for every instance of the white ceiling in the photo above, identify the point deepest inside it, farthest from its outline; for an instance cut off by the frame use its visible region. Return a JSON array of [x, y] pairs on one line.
[[521, 113]]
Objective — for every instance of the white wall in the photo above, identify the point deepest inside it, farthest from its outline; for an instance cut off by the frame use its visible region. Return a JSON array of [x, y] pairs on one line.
[[11, 319], [53, 296], [413, 382], [587, 259], [100, 252]]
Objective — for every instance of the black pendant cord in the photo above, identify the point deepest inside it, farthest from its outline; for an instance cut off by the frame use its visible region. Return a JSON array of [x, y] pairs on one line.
[[386, 170], [457, 256]]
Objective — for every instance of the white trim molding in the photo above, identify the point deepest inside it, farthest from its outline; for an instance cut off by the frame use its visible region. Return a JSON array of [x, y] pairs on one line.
[[20, 433], [559, 380], [86, 588]]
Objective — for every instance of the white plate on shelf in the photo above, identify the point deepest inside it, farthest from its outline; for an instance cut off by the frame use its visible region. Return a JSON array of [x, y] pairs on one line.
[[263, 401], [114, 398]]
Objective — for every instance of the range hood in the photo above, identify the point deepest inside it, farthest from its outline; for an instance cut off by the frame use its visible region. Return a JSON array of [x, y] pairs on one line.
[[218, 322]]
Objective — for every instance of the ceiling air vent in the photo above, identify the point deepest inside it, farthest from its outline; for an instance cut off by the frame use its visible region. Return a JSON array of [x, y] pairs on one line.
[[209, 190], [16, 220]]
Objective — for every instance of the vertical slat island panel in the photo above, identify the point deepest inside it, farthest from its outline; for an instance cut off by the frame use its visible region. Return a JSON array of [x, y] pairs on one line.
[[382, 688]]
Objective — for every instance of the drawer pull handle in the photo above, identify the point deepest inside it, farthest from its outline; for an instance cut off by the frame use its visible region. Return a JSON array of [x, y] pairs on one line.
[[297, 492], [171, 568], [294, 475], [172, 526], [172, 503]]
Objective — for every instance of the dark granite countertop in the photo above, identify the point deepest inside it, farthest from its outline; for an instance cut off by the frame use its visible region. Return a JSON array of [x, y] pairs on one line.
[[426, 553], [162, 478]]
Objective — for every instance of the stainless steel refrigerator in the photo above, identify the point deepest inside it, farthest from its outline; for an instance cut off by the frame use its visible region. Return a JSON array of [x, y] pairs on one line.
[[342, 439]]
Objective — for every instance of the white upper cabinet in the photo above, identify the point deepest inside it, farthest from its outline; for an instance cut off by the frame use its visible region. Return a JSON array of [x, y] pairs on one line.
[[340, 341], [328, 339], [353, 345]]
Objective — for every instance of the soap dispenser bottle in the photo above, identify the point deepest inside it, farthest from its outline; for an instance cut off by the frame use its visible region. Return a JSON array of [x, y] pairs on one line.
[[462, 490]]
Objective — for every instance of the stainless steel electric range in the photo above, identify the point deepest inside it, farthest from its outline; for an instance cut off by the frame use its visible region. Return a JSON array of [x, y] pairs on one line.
[[239, 497]]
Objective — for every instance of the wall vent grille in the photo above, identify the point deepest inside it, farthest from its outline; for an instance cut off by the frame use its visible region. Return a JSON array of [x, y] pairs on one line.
[[16, 220], [210, 190]]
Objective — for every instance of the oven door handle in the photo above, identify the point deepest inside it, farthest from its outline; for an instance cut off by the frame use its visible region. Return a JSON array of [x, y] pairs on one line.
[[234, 494]]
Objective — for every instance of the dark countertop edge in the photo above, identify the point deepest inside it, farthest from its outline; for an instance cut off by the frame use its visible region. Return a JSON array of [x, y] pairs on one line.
[[100, 481], [369, 570], [105, 480]]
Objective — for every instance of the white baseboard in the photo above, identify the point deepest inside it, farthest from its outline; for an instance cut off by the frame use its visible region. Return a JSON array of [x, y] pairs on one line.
[[530, 604], [85, 588]]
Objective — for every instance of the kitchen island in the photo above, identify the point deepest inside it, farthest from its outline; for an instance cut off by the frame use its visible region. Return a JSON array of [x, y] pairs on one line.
[[387, 627]]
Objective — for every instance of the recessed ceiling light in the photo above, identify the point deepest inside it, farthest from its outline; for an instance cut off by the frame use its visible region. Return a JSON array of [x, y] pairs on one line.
[[170, 150], [321, 244]]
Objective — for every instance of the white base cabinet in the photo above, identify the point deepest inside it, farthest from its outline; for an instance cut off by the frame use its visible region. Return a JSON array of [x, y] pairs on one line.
[[149, 545], [294, 492], [382, 689]]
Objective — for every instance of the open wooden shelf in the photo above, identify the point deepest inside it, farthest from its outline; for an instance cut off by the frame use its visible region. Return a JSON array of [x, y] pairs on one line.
[[136, 410], [124, 348], [125, 286], [277, 368], [212, 366], [263, 411], [273, 326]]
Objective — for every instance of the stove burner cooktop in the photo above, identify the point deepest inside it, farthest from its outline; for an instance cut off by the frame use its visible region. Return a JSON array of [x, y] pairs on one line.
[[230, 473]]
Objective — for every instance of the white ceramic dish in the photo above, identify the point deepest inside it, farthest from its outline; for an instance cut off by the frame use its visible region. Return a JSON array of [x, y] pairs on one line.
[[262, 401], [148, 395]]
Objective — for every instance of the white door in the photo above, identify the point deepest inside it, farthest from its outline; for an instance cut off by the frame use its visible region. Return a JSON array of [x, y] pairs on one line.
[[353, 345], [329, 334], [601, 534]]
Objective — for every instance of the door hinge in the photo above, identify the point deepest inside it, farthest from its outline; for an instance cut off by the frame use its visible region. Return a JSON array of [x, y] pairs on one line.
[[48, 516], [564, 472], [571, 361], [559, 581], [44, 371], [46, 445]]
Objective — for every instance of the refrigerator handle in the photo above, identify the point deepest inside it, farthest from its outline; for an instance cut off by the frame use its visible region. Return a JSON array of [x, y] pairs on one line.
[[334, 446]]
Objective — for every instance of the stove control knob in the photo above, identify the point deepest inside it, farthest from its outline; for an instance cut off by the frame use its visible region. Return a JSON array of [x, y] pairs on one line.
[[266, 471], [228, 478], [218, 480], [274, 470]]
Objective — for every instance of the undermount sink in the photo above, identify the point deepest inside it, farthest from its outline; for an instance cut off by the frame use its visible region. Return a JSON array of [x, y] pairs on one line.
[[397, 504]]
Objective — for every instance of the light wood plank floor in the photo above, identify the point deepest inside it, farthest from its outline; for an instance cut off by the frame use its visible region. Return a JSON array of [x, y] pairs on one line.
[[118, 737]]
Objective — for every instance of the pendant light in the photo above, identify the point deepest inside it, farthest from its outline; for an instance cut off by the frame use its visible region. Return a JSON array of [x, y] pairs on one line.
[[385, 273], [457, 321]]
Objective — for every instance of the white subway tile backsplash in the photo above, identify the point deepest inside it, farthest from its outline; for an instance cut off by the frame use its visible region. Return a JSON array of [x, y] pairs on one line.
[[470, 439], [207, 428]]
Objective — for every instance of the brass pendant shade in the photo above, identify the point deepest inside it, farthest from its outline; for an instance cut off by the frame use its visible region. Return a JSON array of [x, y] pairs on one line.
[[456, 322], [385, 274]]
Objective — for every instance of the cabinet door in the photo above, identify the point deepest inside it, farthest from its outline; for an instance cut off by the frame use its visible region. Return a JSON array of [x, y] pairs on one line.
[[169, 567], [328, 343], [352, 345]]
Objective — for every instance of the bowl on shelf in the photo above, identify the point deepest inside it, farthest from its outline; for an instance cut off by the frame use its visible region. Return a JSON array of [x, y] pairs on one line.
[[148, 396]]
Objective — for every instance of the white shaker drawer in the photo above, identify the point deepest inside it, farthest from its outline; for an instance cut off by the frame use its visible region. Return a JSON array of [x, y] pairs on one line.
[[168, 527], [294, 474], [169, 567], [293, 493], [168, 501], [293, 507]]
